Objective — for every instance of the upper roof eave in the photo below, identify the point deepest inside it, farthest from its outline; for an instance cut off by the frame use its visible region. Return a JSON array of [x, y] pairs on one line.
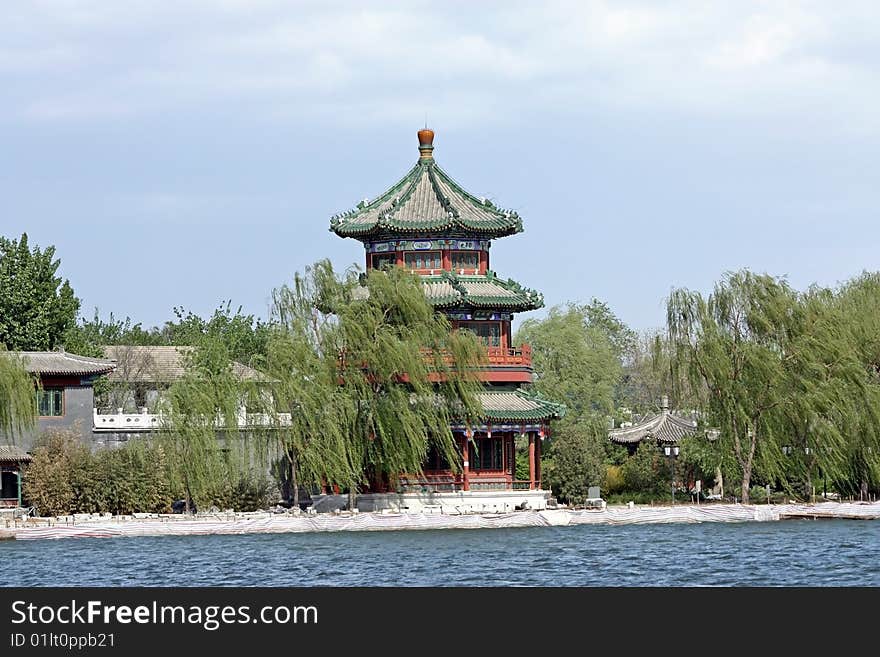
[[519, 405], [62, 363], [426, 199]]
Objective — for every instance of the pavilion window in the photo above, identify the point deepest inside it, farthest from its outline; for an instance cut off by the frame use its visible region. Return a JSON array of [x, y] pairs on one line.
[[423, 260], [381, 260], [435, 460], [50, 402], [488, 454], [467, 260], [489, 333]]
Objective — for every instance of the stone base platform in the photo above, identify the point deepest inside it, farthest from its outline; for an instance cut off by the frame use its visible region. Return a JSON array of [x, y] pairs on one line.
[[501, 501]]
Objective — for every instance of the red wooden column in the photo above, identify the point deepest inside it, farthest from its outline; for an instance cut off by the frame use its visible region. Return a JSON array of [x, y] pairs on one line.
[[531, 460], [465, 477], [511, 457], [538, 448]]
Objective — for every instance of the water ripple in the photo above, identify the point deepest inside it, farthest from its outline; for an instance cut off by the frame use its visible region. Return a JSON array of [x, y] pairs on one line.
[[792, 553]]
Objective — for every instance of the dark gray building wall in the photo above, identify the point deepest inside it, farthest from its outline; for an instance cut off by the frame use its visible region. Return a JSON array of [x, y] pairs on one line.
[[78, 409], [120, 438], [79, 403]]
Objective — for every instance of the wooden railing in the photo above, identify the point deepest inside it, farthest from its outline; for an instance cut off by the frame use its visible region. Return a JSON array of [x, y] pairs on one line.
[[431, 483], [513, 356], [518, 356], [453, 484]]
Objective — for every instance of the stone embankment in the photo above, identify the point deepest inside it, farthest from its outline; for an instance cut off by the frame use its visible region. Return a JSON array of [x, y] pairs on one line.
[[98, 526]]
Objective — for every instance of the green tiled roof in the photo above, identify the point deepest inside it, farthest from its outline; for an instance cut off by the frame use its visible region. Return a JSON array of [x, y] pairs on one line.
[[665, 428], [479, 291], [426, 200], [518, 405]]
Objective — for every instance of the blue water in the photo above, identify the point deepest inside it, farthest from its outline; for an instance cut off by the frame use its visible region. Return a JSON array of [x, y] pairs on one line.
[[790, 553]]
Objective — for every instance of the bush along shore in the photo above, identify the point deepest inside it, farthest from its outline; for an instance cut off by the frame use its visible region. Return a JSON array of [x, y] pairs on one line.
[[105, 526]]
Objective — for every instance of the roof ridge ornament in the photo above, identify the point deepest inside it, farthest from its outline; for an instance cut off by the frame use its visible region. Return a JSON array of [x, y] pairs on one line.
[[426, 144]]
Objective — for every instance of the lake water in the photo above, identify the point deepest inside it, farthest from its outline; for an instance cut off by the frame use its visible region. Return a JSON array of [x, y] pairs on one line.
[[788, 553]]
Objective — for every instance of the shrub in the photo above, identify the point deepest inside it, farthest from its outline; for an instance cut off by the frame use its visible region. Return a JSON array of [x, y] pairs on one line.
[[65, 477], [642, 470], [614, 480], [48, 482], [576, 459]]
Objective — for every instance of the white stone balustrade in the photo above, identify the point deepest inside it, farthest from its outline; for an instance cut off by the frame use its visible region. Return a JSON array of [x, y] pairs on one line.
[[144, 421]]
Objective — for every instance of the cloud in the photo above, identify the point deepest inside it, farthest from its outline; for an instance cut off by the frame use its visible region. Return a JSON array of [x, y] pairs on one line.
[[81, 61]]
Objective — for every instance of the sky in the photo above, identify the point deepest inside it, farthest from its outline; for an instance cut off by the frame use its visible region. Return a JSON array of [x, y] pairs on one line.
[[189, 153]]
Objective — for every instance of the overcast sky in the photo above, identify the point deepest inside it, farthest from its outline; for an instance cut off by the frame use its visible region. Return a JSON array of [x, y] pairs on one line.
[[184, 153]]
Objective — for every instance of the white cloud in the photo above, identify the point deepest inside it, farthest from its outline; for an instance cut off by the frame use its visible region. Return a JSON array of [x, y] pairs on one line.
[[85, 60]]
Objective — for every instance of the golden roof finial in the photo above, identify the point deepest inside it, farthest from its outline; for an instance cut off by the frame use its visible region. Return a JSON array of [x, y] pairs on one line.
[[426, 143]]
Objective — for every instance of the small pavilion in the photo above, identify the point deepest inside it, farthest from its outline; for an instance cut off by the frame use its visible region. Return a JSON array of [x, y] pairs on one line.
[[665, 428]]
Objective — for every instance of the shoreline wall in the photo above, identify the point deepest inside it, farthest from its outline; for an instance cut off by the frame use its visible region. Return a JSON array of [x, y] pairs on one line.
[[266, 523]]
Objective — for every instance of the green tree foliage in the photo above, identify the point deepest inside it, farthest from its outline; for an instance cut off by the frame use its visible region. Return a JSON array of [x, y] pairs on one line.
[[47, 483], [201, 437], [647, 377], [577, 352], [65, 477], [245, 337], [576, 361], [578, 460], [598, 315], [17, 401], [776, 369], [643, 471], [370, 374], [36, 306], [858, 303], [88, 337]]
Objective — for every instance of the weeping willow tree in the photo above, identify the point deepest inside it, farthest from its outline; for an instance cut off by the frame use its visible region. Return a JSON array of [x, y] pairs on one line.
[[777, 371], [830, 398], [208, 455], [17, 400], [301, 362], [858, 304], [371, 375]]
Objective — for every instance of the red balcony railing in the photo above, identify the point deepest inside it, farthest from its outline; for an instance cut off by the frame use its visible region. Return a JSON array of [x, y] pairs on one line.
[[514, 356], [517, 356]]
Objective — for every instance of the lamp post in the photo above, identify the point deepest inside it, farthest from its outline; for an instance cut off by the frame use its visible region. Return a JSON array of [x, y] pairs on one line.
[[672, 452]]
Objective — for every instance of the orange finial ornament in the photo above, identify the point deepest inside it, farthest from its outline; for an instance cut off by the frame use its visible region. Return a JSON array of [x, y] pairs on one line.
[[426, 144]]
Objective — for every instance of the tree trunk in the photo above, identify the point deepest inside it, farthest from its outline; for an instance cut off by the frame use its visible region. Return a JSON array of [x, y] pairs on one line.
[[293, 481], [747, 476], [749, 463], [186, 494], [352, 499]]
